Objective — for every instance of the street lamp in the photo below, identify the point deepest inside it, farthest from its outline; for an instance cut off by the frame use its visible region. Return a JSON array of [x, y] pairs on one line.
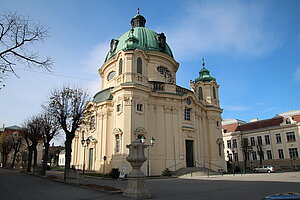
[[85, 144], [152, 140]]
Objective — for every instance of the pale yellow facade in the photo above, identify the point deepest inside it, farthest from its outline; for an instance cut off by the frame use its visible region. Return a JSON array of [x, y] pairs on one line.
[[280, 141], [134, 102]]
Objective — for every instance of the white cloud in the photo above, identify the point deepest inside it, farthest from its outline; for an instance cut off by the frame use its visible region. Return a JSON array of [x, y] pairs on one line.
[[94, 87], [296, 74], [223, 26], [95, 57], [93, 61], [236, 108]]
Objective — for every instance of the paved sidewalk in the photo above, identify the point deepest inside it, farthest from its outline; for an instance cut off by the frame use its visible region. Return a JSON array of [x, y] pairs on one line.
[[275, 177]]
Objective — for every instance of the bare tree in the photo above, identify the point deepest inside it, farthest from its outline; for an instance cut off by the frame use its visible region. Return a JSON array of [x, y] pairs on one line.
[[50, 129], [260, 152], [68, 106], [5, 147], [245, 149], [17, 141], [32, 137], [17, 34]]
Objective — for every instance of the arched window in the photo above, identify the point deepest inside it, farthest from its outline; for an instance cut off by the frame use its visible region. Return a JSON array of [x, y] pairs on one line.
[[214, 92], [120, 66], [139, 65], [200, 93]]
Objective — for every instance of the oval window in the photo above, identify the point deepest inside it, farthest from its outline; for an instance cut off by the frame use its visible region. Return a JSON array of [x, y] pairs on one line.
[[111, 75], [188, 101], [162, 70]]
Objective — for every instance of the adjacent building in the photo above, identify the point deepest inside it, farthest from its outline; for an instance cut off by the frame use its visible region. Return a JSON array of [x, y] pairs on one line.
[[140, 98], [275, 141], [7, 152]]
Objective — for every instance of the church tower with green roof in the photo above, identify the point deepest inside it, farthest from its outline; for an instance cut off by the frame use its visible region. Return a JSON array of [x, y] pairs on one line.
[[206, 88]]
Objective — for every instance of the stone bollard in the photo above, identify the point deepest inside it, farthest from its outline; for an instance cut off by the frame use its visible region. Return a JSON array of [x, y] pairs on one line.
[[135, 186]]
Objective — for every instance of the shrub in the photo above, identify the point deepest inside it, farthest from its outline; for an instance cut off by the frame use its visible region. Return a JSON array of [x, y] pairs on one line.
[[114, 173], [166, 172], [48, 168]]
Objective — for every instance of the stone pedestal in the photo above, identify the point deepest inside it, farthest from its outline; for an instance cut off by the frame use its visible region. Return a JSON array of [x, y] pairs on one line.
[[136, 187]]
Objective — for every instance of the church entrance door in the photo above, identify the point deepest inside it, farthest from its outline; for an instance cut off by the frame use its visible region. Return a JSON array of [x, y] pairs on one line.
[[189, 149]]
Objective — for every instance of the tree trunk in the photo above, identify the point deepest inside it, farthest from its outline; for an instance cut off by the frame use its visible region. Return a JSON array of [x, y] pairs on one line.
[[13, 160], [30, 151], [4, 160], [68, 149], [245, 162], [260, 160], [45, 158], [34, 157]]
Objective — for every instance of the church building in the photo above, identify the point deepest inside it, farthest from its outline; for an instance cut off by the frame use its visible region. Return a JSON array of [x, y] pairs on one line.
[[139, 98]]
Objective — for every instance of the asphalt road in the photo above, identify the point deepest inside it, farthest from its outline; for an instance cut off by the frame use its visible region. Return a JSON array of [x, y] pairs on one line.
[[15, 185]]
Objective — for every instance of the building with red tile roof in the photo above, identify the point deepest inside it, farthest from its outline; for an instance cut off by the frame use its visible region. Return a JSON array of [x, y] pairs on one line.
[[274, 141]]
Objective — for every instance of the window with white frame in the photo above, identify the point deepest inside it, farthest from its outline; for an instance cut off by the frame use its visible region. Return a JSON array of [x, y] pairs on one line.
[[234, 143], [293, 152], [267, 139], [290, 136], [252, 141], [280, 154], [259, 140], [254, 156], [236, 156], [229, 144], [288, 121], [278, 138], [187, 114]]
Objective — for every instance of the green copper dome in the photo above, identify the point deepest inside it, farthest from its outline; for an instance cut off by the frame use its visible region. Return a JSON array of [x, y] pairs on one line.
[[139, 37], [204, 74]]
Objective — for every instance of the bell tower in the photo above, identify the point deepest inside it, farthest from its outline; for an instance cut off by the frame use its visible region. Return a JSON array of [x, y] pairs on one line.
[[205, 87]]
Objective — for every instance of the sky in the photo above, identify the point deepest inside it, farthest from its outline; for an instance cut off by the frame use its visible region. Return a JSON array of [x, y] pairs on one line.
[[252, 48]]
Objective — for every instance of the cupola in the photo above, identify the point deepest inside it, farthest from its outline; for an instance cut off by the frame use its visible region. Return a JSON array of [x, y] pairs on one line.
[[204, 74], [138, 20]]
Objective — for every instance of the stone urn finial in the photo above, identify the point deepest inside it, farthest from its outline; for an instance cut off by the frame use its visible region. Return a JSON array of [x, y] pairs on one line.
[[136, 187]]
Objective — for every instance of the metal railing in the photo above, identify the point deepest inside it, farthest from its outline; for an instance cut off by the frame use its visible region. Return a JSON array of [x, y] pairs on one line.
[[208, 167], [181, 90], [170, 168], [157, 86]]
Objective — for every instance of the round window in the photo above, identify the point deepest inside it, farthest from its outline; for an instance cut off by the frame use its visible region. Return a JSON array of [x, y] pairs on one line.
[[111, 75]]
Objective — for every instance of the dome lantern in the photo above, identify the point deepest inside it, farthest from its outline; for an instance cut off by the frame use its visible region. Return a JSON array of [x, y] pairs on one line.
[[138, 20], [204, 74]]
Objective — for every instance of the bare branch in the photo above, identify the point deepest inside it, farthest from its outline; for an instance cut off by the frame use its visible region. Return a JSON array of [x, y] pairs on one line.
[[16, 35]]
